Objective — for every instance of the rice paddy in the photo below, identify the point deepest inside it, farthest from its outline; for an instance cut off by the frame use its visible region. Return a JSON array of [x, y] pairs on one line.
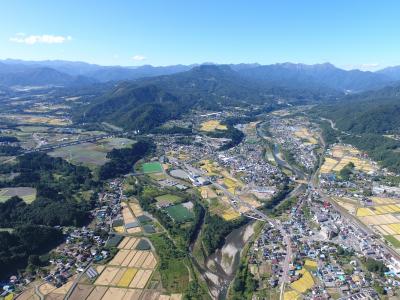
[[212, 125], [291, 295], [124, 278], [304, 283], [342, 155], [305, 134]]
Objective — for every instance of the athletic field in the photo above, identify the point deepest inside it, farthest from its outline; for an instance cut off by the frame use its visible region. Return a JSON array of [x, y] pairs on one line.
[[179, 213], [152, 167]]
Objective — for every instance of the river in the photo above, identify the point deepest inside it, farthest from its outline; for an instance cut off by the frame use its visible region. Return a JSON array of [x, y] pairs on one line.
[[220, 267]]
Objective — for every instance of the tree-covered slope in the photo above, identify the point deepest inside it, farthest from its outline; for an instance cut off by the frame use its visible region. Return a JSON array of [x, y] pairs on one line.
[[146, 103], [371, 112]]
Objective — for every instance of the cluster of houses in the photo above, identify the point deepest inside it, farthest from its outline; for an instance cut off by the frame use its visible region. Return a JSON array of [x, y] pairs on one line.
[[283, 131]]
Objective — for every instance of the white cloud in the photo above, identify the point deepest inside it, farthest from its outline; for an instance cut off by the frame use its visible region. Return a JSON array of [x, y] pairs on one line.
[[39, 39], [139, 57]]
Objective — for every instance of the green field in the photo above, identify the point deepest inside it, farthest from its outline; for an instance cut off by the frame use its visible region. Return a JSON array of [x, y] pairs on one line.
[[179, 213], [25, 193], [91, 155], [391, 239], [169, 197], [152, 167]]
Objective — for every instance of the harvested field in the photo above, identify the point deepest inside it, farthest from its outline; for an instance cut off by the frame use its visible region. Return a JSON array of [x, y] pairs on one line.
[[139, 258], [64, 288], [114, 294], [141, 278], [46, 288], [81, 291], [126, 214], [137, 210], [150, 262], [97, 293], [132, 243], [124, 242], [132, 294], [100, 268], [128, 258], [118, 277], [291, 295], [27, 194], [107, 276], [119, 257], [28, 295], [379, 220], [53, 296]]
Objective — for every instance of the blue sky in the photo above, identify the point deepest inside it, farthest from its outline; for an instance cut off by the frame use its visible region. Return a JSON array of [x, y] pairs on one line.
[[350, 34]]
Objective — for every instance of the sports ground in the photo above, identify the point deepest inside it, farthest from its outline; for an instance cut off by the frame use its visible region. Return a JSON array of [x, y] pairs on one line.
[[179, 213], [152, 167]]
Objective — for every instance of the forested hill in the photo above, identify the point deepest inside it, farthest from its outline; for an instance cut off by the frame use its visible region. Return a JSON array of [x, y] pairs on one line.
[[147, 103], [371, 112]]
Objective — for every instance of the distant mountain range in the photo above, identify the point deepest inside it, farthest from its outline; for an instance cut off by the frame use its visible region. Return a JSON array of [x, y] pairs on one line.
[[285, 75], [148, 102]]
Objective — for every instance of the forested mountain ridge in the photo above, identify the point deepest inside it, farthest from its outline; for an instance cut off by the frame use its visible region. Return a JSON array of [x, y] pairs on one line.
[[146, 103], [317, 76], [370, 112]]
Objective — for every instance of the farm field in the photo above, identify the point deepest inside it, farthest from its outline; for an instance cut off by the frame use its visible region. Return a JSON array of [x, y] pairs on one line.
[[169, 198], [91, 155], [304, 283], [152, 167], [90, 292], [222, 209], [341, 155], [123, 278], [291, 295], [212, 125], [179, 213], [382, 216], [36, 119], [27, 194], [305, 134]]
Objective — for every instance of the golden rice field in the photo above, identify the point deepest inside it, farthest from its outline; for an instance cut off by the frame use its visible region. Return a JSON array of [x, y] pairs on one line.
[[291, 295], [305, 134], [230, 214], [311, 264], [304, 283], [212, 125], [378, 210], [210, 167], [342, 156]]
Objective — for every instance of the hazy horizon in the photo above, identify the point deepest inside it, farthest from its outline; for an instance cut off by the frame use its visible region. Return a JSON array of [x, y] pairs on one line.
[[350, 35]]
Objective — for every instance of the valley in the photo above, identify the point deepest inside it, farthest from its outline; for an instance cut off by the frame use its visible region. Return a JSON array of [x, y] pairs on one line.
[[161, 189]]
